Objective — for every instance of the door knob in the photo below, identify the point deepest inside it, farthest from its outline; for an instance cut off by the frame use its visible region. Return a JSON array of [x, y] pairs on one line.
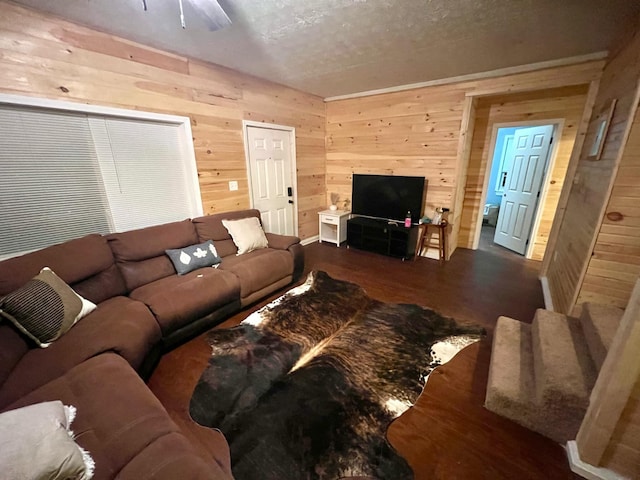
[[291, 202]]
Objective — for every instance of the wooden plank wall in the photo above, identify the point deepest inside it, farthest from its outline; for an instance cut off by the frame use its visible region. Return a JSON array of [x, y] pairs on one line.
[[614, 266], [571, 172], [416, 132], [43, 56], [590, 195], [565, 104]]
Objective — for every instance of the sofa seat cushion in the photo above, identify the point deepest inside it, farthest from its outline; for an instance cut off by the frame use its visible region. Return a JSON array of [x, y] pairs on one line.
[[118, 325], [119, 419], [259, 269], [178, 300], [172, 457]]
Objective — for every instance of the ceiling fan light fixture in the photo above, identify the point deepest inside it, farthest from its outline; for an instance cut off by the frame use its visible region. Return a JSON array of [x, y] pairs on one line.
[[212, 13], [184, 25]]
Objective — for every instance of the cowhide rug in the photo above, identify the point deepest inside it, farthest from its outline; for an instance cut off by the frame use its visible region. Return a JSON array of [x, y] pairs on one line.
[[306, 387]]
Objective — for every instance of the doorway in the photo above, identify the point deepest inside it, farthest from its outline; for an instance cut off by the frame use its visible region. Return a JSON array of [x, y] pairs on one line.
[[270, 153], [521, 158]]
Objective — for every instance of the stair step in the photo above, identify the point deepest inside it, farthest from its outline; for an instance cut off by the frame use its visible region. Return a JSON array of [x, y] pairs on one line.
[[564, 370], [600, 323], [511, 385], [511, 390]]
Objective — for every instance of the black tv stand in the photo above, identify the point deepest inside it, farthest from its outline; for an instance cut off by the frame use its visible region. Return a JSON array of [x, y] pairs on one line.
[[382, 236]]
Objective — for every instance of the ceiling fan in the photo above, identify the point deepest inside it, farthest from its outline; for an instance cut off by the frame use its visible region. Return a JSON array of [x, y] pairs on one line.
[[212, 13]]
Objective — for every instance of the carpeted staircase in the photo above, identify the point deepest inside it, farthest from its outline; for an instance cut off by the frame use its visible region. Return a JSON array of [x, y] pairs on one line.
[[541, 375]]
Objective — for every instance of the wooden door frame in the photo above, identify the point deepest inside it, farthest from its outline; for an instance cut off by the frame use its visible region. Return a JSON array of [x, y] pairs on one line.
[[292, 147], [558, 124], [463, 154]]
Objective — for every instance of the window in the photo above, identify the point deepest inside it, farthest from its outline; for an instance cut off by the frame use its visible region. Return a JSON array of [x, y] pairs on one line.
[[144, 179], [66, 174]]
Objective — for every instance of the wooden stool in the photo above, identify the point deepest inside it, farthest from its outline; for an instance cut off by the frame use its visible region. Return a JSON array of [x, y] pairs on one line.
[[426, 230]]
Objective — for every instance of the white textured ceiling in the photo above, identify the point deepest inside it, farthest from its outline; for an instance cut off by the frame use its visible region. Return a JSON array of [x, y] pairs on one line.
[[336, 47]]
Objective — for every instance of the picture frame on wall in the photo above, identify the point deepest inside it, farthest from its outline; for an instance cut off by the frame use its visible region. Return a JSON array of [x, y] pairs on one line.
[[603, 121]]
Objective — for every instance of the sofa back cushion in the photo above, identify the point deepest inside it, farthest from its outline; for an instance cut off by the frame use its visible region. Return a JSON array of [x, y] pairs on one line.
[[210, 227], [140, 254], [13, 346], [86, 264]]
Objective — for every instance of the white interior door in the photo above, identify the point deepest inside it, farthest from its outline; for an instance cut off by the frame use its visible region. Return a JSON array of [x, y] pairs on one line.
[[526, 163], [270, 169]]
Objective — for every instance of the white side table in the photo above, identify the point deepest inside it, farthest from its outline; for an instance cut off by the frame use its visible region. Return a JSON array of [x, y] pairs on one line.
[[333, 226]]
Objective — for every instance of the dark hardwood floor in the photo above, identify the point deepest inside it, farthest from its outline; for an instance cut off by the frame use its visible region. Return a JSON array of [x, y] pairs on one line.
[[447, 434], [486, 244]]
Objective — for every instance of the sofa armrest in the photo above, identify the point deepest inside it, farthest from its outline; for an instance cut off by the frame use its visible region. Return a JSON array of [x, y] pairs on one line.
[[298, 260], [293, 245], [281, 242]]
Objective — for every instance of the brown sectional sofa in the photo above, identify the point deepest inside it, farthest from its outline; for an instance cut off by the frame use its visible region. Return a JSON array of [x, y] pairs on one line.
[[143, 309]]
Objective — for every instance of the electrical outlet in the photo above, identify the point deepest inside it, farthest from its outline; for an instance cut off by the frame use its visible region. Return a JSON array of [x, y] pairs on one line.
[[233, 185]]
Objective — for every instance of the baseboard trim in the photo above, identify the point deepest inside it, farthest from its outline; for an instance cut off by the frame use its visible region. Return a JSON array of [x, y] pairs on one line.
[[587, 470], [548, 302], [310, 240]]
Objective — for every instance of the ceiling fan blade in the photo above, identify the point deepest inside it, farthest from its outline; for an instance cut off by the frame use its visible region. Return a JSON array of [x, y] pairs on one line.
[[212, 13]]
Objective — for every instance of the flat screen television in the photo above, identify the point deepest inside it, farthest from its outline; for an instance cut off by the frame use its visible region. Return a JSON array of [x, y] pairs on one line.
[[388, 197]]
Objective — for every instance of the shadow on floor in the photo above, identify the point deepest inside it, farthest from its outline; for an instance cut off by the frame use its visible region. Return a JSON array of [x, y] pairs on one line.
[[486, 243]]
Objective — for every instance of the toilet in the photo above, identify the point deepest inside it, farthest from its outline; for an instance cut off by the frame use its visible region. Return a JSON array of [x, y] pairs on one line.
[[490, 214]]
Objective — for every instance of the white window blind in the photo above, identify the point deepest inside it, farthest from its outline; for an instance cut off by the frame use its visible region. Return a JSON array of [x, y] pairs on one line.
[[64, 175], [50, 185], [146, 180]]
